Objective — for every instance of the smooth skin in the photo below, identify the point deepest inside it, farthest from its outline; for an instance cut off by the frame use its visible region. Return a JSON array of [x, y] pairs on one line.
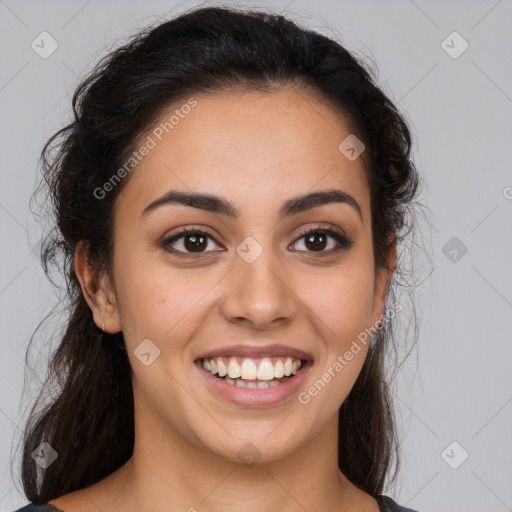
[[256, 150]]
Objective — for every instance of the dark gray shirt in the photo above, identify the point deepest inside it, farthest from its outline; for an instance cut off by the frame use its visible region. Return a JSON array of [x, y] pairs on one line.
[[385, 504]]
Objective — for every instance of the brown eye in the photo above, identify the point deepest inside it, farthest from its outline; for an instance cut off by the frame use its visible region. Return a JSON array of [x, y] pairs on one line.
[[316, 240], [195, 243], [191, 241]]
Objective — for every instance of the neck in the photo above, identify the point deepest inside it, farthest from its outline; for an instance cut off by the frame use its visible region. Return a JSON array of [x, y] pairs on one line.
[[168, 470]]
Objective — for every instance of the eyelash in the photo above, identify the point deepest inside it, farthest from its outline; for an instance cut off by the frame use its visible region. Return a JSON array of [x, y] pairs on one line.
[[343, 242]]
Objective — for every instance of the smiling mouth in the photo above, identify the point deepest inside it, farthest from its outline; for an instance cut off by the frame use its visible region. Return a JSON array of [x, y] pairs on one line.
[[253, 373]]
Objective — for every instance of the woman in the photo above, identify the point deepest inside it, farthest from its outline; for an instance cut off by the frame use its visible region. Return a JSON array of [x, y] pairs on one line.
[[229, 199]]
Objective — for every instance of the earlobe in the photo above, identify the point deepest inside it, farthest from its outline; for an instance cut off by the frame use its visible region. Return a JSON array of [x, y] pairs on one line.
[[95, 289]]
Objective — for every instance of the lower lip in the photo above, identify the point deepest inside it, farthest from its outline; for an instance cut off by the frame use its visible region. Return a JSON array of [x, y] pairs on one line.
[[255, 397]]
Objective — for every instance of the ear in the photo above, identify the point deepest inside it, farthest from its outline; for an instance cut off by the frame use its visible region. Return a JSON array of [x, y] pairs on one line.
[[97, 291], [382, 281]]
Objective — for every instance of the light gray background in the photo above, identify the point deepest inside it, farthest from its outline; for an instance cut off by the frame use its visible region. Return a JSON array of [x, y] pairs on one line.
[[457, 385]]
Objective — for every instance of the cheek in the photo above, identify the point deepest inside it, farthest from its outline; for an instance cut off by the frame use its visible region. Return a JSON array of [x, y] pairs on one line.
[[341, 321], [341, 312], [159, 303], [147, 300], [341, 302]]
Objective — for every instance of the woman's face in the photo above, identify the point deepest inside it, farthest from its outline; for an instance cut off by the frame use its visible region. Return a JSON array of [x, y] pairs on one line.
[[253, 289]]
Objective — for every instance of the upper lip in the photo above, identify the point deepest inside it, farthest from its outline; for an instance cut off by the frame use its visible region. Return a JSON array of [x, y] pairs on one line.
[[257, 351]]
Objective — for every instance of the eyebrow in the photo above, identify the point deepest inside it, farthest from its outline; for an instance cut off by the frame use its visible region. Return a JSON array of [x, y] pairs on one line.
[[215, 204]]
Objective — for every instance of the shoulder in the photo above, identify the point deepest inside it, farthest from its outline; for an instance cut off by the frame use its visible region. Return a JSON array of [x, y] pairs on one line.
[[386, 504], [33, 507]]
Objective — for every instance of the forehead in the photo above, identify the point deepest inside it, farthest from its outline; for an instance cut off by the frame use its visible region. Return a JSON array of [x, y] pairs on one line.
[[254, 148]]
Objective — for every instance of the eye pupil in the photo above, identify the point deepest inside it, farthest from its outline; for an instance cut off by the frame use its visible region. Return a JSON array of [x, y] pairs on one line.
[[196, 242], [310, 241]]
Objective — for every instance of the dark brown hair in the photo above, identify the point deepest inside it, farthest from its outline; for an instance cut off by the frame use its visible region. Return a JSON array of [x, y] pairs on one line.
[[89, 418]]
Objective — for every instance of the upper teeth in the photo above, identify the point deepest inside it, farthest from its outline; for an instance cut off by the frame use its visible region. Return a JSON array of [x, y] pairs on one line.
[[250, 369]]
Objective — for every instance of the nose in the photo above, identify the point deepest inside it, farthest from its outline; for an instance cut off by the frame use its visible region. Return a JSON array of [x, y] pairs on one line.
[[259, 294]]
